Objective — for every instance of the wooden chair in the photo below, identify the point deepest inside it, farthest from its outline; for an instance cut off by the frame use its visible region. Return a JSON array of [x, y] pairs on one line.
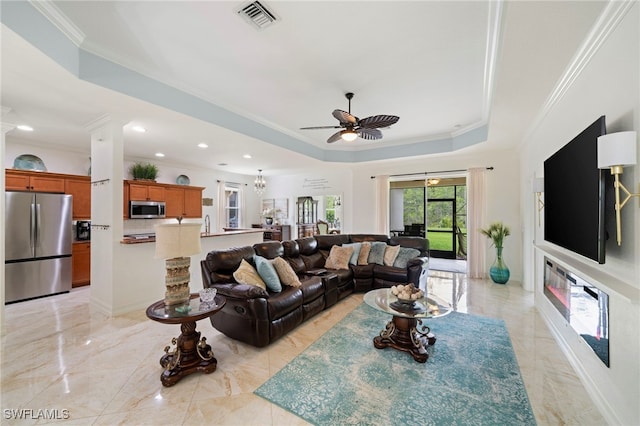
[[322, 227]]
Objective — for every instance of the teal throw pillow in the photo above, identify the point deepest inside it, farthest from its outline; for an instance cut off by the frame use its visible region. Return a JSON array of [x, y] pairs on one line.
[[376, 255], [404, 255], [356, 252], [268, 273]]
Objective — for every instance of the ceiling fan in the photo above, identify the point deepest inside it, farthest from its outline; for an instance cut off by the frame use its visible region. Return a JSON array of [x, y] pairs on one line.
[[367, 128]]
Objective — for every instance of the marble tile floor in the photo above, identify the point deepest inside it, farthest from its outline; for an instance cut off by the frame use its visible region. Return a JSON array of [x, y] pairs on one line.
[[58, 355]]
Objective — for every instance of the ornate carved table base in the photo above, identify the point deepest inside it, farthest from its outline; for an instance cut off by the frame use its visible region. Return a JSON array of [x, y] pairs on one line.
[[408, 335], [191, 354]]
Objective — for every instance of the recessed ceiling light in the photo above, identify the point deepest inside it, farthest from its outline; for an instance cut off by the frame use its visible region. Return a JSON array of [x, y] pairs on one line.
[[159, 154], [223, 164], [25, 128], [246, 156], [203, 145], [138, 129]]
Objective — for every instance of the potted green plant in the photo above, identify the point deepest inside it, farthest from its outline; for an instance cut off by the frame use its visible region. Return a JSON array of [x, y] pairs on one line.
[[497, 232], [144, 171]]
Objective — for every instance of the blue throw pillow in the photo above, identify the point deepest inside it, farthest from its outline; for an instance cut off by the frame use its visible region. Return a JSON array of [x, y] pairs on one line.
[[376, 255], [404, 255], [356, 252], [268, 273]]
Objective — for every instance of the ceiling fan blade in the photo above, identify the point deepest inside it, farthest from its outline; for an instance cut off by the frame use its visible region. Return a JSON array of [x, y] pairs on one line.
[[369, 134], [344, 117], [377, 121], [320, 127], [335, 137]]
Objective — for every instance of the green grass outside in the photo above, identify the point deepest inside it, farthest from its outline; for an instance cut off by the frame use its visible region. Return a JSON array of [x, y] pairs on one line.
[[440, 240]]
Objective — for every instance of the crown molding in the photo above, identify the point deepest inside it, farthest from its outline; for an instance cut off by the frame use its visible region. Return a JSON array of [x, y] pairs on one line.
[[60, 20], [606, 24]]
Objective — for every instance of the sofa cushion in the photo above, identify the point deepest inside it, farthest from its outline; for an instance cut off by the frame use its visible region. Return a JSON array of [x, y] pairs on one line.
[[404, 255], [286, 273], [363, 257], [376, 255], [356, 252], [268, 273], [246, 274], [313, 261], [390, 254], [325, 242], [339, 257]]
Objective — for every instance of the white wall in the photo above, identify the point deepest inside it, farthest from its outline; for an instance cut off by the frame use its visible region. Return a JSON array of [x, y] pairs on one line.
[[501, 189], [608, 85]]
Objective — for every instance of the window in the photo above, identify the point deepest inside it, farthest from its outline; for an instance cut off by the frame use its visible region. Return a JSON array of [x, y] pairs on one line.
[[439, 205], [232, 205]]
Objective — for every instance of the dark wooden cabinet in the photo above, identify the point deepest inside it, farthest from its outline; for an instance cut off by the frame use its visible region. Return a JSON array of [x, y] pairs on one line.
[[275, 232], [81, 264], [306, 229]]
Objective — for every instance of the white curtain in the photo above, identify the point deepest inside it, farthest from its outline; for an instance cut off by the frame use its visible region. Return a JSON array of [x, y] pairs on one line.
[[221, 214], [243, 208], [382, 204], [476, 247]]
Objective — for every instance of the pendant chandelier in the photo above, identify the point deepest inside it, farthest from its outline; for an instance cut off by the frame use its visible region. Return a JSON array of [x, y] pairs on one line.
[[259, 185]]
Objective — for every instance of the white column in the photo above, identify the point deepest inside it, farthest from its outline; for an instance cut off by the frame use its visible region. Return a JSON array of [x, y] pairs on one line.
[[107, 147], [6, 127]]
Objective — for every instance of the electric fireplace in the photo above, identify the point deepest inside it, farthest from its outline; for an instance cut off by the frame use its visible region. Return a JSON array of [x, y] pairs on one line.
[[583, 306]]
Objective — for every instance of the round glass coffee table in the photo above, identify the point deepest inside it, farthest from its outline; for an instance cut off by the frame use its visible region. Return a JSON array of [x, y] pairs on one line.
[[406, 331], [191, 353]]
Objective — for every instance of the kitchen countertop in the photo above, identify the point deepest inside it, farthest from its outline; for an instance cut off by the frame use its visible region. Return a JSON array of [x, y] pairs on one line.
[[151, 239]]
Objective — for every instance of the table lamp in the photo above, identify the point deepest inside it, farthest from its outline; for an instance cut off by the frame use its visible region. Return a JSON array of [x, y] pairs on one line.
[[176, 242]]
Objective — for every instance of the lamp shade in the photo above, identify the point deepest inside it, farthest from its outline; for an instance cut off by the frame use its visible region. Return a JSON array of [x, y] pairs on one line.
[[177, 240], [537, 185], [617, 149]]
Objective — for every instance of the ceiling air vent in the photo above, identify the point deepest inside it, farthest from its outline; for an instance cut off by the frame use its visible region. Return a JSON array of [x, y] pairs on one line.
[[257, 14]]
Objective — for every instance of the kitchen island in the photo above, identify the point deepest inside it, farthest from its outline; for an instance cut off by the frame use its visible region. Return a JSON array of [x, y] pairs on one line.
[[140, 277]]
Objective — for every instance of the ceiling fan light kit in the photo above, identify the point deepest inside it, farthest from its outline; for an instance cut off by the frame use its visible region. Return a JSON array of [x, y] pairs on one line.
[[367, 128]]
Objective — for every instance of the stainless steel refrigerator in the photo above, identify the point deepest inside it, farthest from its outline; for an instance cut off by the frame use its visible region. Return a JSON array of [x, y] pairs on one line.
[[38, 238]]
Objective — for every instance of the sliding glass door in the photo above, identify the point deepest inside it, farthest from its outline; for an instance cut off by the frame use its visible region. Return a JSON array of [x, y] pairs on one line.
[[435, 209]]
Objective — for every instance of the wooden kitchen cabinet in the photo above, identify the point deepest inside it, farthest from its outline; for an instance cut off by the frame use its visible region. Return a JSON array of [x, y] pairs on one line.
[[183, 201], [23, 180], [146, 192], [81, 264], [80, 188]]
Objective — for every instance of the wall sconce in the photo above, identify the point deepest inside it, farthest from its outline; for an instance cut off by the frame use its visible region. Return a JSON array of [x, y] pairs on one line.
[[537, 187], [175, 242], [615, 151]]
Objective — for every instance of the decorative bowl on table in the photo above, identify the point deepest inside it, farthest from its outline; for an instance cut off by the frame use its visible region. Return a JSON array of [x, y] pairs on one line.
[[208, 295], [407, 296]]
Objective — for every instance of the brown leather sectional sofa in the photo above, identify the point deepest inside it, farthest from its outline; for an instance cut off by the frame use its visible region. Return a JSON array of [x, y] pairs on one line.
[[259, 317]]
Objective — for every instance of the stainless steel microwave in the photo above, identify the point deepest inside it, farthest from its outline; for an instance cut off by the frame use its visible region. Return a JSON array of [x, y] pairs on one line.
[[146, 209]]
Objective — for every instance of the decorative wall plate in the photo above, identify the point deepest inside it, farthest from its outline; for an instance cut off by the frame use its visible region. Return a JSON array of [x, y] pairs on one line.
[[29, 162], [183, 180]]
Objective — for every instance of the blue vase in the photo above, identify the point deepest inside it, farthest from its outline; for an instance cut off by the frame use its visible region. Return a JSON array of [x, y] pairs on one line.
[[499, 272]]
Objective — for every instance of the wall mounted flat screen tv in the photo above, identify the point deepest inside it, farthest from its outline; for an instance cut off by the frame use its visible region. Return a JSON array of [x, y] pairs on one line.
[[574, 195]]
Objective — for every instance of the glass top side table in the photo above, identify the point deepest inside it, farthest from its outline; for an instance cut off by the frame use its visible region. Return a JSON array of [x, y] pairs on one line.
[[406, 331], [191, 353]]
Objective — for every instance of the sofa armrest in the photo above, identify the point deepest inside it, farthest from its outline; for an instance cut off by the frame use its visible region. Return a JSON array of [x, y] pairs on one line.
[[240, 291], [418, 271]]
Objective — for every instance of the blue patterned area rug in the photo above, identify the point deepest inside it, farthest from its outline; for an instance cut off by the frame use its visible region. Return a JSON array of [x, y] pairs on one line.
[[471, 377]]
